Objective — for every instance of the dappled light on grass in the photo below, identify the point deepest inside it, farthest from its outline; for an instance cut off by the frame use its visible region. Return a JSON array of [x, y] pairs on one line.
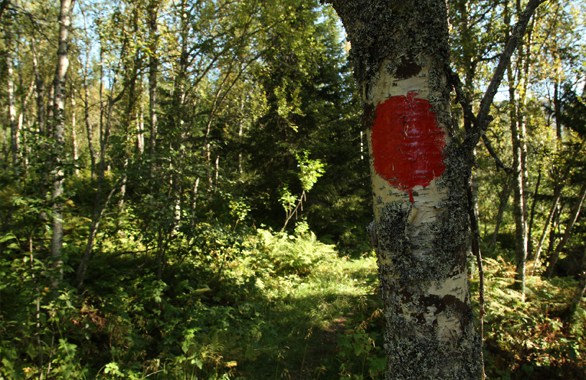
[[310, 311], [272, 305]]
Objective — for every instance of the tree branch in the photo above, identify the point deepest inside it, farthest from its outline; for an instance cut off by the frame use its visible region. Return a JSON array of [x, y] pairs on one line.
[[461, 97], [469, 117], [483, 117], [494, 155]]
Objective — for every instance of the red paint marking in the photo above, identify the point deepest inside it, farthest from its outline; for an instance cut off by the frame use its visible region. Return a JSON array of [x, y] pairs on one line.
[[407, 143]]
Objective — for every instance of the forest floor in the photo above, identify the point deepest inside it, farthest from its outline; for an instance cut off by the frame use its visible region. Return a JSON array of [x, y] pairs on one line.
[[323, 325], [269, 306], [329, 325]]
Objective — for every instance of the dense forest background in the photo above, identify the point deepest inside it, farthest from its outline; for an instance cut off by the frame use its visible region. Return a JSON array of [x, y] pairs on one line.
[[191, 199]]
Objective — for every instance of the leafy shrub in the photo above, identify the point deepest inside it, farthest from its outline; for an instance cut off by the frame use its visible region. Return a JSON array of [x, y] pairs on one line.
[[361, 351], [530, 339], [293, 254]]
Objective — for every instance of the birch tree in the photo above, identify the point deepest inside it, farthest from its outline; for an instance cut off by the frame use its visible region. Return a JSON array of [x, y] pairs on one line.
[[59, 131], [420, 206], [420, 170], [14, 127]]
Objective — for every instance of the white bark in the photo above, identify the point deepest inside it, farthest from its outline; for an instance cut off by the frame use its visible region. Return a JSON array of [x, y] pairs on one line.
[[140, 131], [75, 149], [14, 125], [422, 241], [434, 306], [153, 71], [59, 132]]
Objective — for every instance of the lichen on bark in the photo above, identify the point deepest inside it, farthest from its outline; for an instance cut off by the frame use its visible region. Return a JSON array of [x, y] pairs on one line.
[[380, 30], [422, 245]]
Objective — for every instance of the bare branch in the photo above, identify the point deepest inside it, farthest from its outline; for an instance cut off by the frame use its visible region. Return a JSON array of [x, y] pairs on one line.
[[483, 117], [495, 156]]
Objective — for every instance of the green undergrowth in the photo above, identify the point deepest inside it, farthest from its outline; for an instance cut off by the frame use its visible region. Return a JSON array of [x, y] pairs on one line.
[[531, 338], [257, 305], [263, 306]]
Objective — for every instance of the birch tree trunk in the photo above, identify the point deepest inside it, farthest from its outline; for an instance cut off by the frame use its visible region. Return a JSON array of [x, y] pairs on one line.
[[58, 131], [519, 206], [153, 71], [531, 220], [518, 136], [39, 89], [14, 126], [420, 173], [74, 143]]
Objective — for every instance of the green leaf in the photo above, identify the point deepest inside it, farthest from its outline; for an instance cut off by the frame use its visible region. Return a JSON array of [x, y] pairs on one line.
[[7, 237]]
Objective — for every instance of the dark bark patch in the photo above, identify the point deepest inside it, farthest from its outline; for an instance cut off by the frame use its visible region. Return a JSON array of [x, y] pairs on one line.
[[368, 116], [407, 68], [451, 305], [393, 241], [390, 30]]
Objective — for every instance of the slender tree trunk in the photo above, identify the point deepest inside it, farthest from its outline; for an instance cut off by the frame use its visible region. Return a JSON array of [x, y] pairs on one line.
[[12, 118], [49, 130], [557, 107], [74, 143], [207, 139], [217, 170], [58, 131], [140, 131], [89, 128], [194, 195], [153, 71], [40, 90], [574, 214], [503, 201], [532, 217], [421, 227], [23, 138], [524, 78], [240, 138], [130, 115], [519, 159], [476, 251], [554, 230], [548, 223], [519, 210]]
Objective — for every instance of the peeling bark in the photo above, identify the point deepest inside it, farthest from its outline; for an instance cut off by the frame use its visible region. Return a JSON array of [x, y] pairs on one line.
[[422, 234]]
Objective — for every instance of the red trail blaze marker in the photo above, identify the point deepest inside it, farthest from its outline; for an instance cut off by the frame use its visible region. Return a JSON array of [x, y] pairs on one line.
[[407, 143]]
